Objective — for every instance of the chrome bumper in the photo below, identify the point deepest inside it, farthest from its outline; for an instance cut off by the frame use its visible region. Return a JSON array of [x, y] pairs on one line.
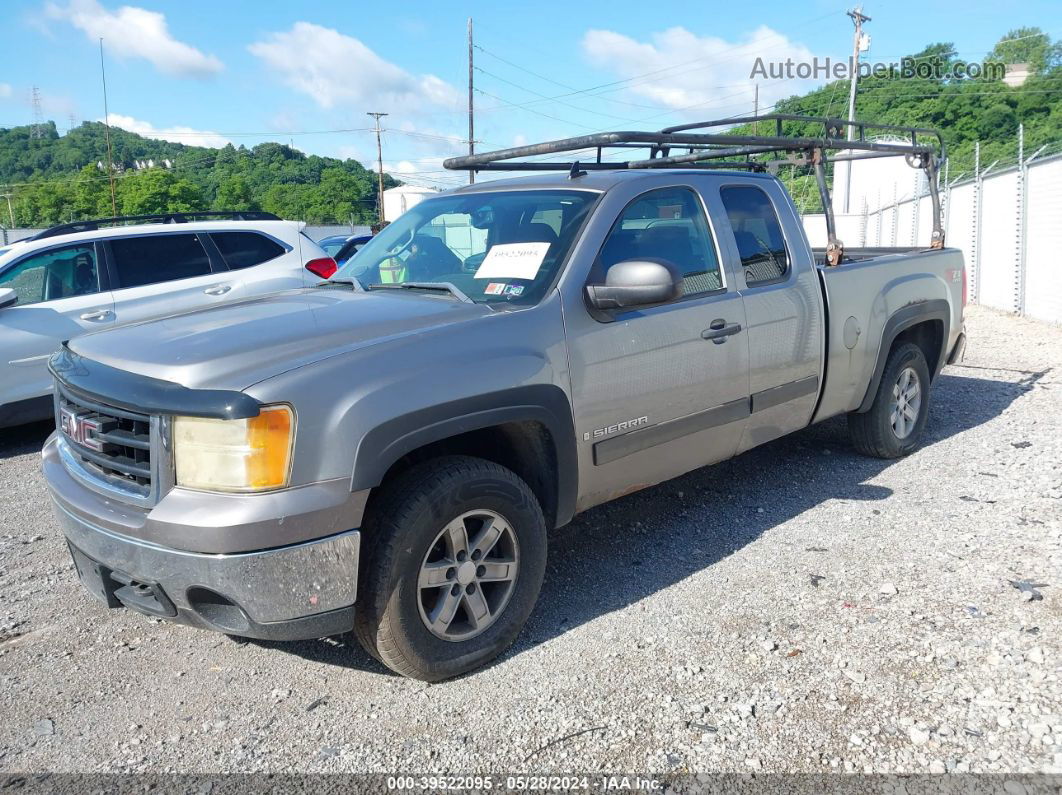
[[300, 590]]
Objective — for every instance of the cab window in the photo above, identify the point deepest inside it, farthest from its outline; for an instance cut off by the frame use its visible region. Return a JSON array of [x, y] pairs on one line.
[[757, 233], [666, 224], [53, 274]]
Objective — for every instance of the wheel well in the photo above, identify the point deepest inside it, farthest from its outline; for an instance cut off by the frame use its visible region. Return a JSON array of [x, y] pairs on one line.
[[929, 336], [527, 448]]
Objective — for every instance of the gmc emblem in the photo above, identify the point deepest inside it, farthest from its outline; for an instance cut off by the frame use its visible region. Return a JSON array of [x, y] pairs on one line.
[[81, 428]]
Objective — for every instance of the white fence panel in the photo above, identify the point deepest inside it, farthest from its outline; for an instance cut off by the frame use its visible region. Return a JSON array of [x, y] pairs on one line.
[[988, 229], [959, 227], [997, 259], [1043, 246]]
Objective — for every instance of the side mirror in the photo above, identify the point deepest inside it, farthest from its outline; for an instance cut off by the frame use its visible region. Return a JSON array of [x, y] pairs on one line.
[[8, 297], [637, 282]]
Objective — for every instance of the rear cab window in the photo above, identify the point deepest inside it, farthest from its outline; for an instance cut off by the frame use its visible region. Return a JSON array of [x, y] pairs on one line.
[[151, 259], [757, 234]]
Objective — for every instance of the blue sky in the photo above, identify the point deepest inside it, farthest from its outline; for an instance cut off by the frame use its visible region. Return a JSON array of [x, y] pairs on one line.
[[247, 70]]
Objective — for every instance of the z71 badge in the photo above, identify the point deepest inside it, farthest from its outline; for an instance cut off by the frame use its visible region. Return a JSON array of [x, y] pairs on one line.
[[626, 425]]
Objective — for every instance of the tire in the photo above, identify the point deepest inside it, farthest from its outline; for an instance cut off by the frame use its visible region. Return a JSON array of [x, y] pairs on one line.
[[410, 537], [880, 432]]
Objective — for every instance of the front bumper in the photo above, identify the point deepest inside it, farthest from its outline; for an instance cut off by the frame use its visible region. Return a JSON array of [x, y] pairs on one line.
[[296, 591]]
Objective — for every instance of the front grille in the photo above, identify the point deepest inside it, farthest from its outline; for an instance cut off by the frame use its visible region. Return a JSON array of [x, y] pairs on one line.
[[111, 444]]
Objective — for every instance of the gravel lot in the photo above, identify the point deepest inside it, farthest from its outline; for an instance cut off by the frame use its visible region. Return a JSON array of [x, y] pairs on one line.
[[797, 609]]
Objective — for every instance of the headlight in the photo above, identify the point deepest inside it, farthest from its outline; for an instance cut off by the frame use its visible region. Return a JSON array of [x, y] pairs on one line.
[[253, 454]]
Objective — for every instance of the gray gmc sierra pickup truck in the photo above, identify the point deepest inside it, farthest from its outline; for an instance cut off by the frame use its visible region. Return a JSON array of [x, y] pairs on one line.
[[386, 452]]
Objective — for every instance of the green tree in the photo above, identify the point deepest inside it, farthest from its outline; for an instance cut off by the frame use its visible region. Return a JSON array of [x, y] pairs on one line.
[[1031, 46], [91, 194], [235, 193], [158, 190]]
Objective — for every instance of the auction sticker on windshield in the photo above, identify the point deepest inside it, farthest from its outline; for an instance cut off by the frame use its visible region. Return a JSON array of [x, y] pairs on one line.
[[513, 261]]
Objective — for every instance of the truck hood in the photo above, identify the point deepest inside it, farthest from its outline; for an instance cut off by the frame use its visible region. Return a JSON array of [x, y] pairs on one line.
[[232, 346]]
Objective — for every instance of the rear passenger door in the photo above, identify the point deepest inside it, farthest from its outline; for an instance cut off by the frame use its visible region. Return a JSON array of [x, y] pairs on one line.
[[783, 306], [259, 263], [163, 274]]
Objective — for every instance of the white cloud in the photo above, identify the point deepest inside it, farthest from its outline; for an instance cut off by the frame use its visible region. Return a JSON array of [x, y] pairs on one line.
[[5, 90], [338, 70], [132, 32], [705, 75], [180, 135]]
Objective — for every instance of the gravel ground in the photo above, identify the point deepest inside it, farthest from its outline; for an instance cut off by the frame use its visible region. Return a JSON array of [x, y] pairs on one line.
[[798, 609]]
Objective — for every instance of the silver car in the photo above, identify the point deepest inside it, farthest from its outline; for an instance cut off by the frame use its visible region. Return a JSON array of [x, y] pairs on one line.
[[66, 283]]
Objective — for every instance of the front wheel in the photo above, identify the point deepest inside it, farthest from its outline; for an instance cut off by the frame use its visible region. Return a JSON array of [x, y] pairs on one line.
[[893, 425], [456, 556]]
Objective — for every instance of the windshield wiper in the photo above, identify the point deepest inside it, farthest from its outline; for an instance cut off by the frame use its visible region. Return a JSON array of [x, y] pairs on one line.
[[351, 281], [438, 286]]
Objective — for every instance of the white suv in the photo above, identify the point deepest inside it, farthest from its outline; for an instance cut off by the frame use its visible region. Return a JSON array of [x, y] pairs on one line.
[[86, 276]]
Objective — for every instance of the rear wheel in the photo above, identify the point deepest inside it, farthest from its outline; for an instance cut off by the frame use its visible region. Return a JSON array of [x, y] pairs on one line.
[[457, 552], [893, 426]]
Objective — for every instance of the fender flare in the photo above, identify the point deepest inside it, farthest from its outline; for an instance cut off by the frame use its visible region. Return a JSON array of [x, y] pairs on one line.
[[385, 444], [901, 320]]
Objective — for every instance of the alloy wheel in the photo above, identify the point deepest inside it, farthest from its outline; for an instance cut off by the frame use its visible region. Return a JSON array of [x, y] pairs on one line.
[[468, 575]]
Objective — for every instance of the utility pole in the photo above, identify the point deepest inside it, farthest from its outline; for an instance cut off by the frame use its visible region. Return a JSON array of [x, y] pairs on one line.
[[379, 160], [10, 212], [756, 108], [471, 139], [107, 133], [858, 18]]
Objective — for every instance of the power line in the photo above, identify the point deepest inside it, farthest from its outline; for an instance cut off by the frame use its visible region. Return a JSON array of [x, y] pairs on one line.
[[713, 58], [558, 83], [552, 99]]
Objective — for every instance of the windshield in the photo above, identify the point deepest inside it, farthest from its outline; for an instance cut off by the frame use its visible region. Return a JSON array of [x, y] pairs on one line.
[[503, 247], [332, 245]]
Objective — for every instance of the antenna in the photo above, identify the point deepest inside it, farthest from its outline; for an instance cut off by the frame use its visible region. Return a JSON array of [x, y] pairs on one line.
[[107, 132]]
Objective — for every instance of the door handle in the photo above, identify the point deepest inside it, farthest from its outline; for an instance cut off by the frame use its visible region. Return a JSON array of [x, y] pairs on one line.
[[218, 289], [719, 331], [99, 314]]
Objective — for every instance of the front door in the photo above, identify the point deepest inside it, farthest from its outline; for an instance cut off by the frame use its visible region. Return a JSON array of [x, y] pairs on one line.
[[658, 391], [59, 297]]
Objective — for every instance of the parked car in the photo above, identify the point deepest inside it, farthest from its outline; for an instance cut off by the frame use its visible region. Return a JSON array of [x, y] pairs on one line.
[[332, 243], [87, 276], [350, 248], [387, 452]]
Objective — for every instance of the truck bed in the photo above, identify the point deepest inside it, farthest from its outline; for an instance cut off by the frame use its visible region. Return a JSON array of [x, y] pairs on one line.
[[872, 288]]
